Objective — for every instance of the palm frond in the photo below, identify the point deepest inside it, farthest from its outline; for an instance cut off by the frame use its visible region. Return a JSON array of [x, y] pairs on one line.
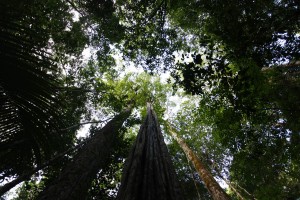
[[30, 111]]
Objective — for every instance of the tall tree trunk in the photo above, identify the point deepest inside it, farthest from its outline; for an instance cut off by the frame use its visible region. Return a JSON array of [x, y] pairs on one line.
[[75, 180], [148, 172], [211, 184], [27, 174]]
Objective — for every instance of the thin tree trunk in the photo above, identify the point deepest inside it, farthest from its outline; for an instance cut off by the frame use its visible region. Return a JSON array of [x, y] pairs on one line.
[[211, 184], [235, 190], [75, 180], [148, 172], [193, 176]]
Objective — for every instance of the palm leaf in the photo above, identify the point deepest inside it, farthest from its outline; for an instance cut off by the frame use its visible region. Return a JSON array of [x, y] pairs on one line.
[[30, 111]]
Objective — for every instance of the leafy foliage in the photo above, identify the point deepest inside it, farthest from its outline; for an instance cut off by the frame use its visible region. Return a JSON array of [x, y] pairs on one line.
[[265, 32], [29, 190], [31, 110], [137, 89], [154, 41], [239, 65]]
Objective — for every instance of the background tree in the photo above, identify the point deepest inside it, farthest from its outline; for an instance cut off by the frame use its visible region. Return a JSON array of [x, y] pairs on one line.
[[211, 184]]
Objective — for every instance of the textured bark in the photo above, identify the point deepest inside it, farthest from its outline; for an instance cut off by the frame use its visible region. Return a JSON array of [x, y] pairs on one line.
[[27, 174], [148, 172], [10, 185], [75, 180], [211, 184]]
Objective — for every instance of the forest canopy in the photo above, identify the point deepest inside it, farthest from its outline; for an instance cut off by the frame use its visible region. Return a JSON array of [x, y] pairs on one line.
[[217, 83]]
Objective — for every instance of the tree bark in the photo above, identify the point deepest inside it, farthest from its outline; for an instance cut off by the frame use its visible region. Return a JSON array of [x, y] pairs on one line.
[[148, 172], [211, 184], [75, 180], [27, 174]]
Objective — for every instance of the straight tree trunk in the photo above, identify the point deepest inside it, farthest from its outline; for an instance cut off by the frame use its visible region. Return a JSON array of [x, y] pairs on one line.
[[27, 174], [75, 180], [211, 184], [148, 172]]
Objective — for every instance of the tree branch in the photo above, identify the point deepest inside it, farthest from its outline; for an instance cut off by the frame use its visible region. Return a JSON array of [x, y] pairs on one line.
[[83, 123]]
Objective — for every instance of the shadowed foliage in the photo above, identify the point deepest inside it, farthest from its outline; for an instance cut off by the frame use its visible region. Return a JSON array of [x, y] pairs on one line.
[[30, 108]]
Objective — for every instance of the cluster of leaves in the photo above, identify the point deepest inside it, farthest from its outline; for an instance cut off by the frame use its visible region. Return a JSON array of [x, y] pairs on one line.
[[154, 41], [212, 73], [29, 190], [235, 39], [266, 31], [38, 41], [136, 89], [31, 110], [283, 91], [208, 68]]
